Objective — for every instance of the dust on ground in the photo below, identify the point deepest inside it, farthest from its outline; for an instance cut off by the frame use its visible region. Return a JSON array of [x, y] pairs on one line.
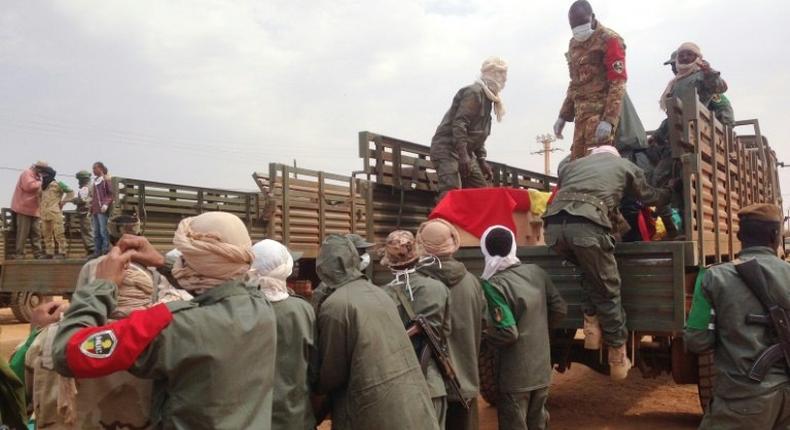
[[580, 398]]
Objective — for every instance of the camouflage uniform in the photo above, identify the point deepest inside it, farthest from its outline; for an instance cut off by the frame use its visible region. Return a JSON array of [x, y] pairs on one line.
[[717, 321], [597, 86], [52, 228], [465, 127], [83, 202], [580, 228]]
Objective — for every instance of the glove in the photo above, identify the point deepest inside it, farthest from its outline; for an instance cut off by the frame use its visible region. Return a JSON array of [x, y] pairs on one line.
[[558, 126], [603, 131], [103, 208]]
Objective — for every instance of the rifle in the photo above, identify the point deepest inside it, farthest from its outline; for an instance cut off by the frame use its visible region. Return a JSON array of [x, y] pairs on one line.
[[777, 318], [420, 325]]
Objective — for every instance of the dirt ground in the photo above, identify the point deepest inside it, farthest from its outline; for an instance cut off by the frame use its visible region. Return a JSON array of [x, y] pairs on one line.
[[580, 398]]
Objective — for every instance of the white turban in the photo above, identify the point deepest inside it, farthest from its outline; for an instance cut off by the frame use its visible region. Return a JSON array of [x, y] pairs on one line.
[[272, 265]]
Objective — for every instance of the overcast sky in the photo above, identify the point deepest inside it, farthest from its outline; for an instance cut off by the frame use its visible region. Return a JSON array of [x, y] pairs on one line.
[[206, 92]]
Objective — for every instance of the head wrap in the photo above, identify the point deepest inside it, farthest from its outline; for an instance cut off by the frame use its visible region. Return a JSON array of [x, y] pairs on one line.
[[399, 249], [493, 84], [605, 149], [272, 265], [495, 261], [215, 248], [136, 291], [684, 70], [437, 237]]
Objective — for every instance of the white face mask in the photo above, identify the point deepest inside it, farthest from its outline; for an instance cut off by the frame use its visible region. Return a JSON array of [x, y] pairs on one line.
[[365, 261], [582, 32]]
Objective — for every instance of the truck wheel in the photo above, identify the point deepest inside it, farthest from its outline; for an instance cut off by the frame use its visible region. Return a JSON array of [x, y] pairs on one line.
[[707, 373], [22, 305], [488, 363]]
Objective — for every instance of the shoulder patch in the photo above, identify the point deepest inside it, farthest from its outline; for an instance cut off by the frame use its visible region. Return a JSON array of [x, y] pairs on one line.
[[99, 345]]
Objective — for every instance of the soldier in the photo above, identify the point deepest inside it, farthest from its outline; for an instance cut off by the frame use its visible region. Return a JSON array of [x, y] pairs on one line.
[[728, 316], [101, 196], [437, 241], [25, 204], [211, 358], [417, 294], [119, 398], [368, 368], [522, 333], [54, 194], [693, 73], [83, 202], [596, 62], [361, 245], [273, 264], [719, 103], [458, 148], [581, 224]]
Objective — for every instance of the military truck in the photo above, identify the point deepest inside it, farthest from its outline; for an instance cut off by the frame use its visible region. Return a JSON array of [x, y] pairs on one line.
[[396, 189]]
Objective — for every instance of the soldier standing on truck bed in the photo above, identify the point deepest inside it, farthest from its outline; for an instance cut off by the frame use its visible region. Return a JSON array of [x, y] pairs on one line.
[[54, 194], [741, 314], [82, 201], [596, 62], [437, 241], [25, 204], [581, 224], [692, 73], [458, 148], [528, 306], [417, 294]]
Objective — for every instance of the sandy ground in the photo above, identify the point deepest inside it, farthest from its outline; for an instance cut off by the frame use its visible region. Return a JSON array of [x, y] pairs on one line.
[[580, 398]]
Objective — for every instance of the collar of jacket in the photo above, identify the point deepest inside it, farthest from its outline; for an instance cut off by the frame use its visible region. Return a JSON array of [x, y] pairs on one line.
[[756, 250], [221, 292]]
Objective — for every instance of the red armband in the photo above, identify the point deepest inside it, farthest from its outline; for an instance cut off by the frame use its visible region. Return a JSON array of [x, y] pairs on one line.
[[615, 60], [99, 351]]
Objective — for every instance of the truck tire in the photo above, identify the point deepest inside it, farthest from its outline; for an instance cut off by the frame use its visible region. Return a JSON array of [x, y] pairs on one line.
[[22, 305], [707, 374], [487, 366]]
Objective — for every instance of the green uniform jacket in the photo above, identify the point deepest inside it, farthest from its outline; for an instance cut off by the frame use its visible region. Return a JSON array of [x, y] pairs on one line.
[[602, 178], [717, 321], [211, 359], [465, 126], [467, 314], [525, 365], [295, 352], [431, 300], [367, 363]]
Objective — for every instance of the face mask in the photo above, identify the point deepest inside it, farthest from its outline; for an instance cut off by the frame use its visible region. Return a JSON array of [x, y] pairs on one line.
[[365, 262], [582, 32]]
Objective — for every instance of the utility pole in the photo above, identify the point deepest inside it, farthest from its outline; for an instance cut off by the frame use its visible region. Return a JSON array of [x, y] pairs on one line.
[[546, 140]]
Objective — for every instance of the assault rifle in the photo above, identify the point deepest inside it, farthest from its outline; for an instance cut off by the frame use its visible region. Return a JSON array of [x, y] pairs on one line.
[[420, 325], [777, 318]]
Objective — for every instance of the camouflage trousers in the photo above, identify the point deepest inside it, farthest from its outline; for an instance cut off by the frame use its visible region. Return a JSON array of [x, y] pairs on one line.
[[523, 411], [459, 418], [584, 135], [27, 227], [591, 247], [86, 231], [53, 232], [768, 411], [450, 178]]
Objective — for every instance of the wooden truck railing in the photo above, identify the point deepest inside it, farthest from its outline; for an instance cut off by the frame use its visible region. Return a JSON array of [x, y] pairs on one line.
[[745, 172]]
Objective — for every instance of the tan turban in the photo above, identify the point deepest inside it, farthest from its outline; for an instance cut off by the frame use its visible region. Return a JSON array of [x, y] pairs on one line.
[[494, 83], [684, 70], [135, 292], [437, 237], [399, 249], [216, 248]]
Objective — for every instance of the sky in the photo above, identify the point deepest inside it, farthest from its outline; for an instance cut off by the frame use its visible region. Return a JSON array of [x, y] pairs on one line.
[[206, 92]]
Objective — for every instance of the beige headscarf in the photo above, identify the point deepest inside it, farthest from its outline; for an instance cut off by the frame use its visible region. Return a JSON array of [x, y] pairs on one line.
[[437, 237], [216, 248], [684, 70], [492, 84]]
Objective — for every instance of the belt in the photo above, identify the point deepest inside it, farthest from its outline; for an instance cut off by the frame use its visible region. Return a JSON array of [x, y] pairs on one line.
[[566, 218], [584, 198]]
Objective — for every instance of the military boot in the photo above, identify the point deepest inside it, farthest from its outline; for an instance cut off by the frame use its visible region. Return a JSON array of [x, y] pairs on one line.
[[592, 332], [619, 364]]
